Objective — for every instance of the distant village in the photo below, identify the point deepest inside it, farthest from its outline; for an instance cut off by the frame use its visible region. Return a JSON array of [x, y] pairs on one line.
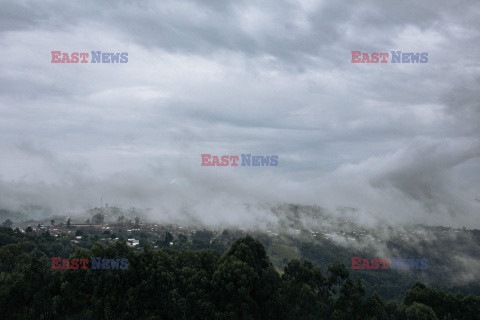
[[109, 224]]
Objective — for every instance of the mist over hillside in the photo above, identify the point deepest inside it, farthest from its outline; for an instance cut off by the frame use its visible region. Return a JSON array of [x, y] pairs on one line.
[[322, 236]]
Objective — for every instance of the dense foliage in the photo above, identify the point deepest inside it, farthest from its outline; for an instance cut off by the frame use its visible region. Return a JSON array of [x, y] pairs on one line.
[[196, 284]]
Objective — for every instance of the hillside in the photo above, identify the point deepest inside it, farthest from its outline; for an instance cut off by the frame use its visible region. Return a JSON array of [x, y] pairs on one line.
[[165, 283]]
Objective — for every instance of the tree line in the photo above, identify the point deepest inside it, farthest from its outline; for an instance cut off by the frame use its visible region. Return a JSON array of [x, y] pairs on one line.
[[242, 283]]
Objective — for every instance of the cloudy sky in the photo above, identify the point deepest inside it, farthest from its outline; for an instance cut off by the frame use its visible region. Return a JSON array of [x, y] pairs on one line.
[[397, 141]]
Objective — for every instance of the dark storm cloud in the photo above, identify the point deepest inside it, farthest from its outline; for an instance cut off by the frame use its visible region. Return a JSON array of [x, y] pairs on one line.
[[463, 105], [17, 16], [393, 141], [287, 30]]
